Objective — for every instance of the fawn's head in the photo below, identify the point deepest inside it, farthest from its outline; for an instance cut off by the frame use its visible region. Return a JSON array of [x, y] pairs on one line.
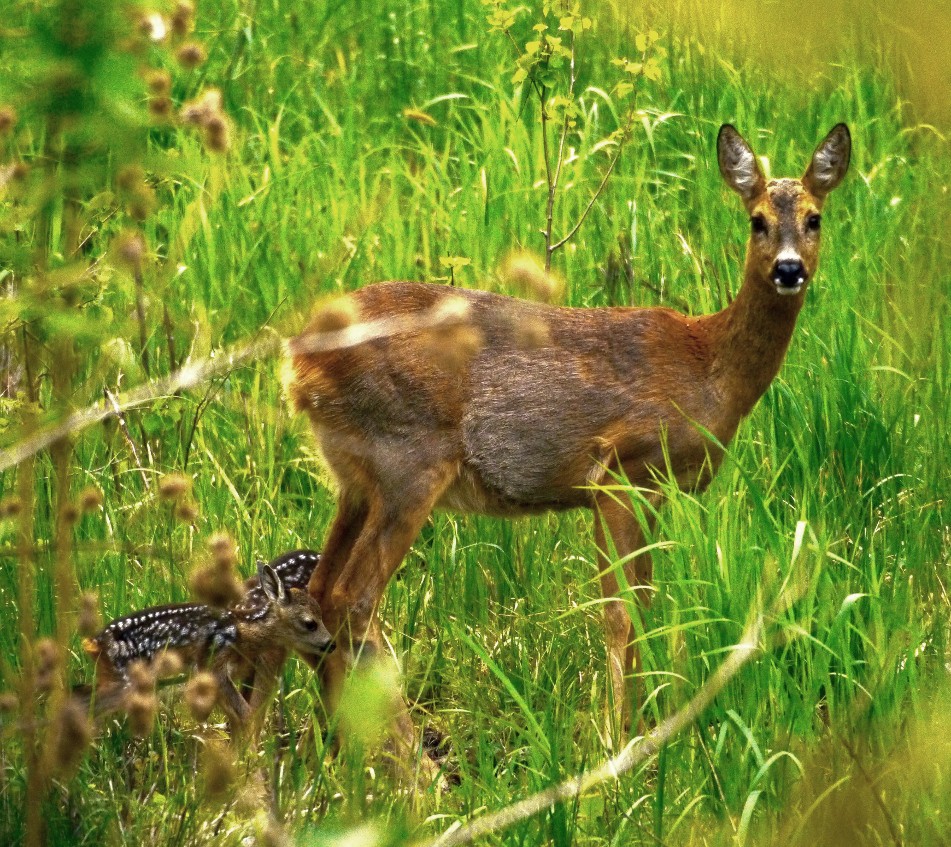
[[293, 617], [785, 214]]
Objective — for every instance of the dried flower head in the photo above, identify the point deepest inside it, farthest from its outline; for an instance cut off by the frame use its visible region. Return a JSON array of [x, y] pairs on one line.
[[532, 333], [199, 111], [217, 583], [217, 134], [72, 733], [8, 119], [48, 658], [90, 621], [159, 83], [223, 548], [153, 27], [173, 485], [130, 178], [167, 663], [183, 18], [191, 55], [141, 708], [142, 676], [10, 507], [8, 702], [528, 276], [70, 513], [334, 315], [161, 108], [453, 346], [187, 511], [201, 693], [218, 769], [129, 249], [90, 499]]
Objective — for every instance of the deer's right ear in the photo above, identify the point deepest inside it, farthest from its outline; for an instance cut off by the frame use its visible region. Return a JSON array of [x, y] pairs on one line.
[[271, 584], [738, 164]]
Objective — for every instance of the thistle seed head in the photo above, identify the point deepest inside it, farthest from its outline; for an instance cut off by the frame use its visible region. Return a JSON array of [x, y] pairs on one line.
[[191, 55], [72, 733], [201, 693], [172, 486], [90, 621]]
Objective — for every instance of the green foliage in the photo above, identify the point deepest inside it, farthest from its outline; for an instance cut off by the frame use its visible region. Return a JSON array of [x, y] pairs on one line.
[[837, 479]]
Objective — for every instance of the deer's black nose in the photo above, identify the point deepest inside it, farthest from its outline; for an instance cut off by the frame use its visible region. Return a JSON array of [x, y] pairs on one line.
[[789, 273]]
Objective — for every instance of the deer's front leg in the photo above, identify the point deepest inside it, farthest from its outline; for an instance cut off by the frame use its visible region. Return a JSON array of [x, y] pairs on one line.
[[618, 535]]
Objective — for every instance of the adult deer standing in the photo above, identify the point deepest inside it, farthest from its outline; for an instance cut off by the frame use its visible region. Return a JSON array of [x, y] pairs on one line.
[[530, 421]]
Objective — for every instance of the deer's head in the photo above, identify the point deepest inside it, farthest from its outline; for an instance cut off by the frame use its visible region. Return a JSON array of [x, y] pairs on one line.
[[785, 214]]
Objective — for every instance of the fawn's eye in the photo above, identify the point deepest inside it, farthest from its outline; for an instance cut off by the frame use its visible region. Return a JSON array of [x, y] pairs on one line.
[[310, 624], [758, 224], [813, 223]]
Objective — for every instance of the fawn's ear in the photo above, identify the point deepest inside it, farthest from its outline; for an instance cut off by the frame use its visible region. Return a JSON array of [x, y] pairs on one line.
[[738, 164], [271, 584], [829, 162]]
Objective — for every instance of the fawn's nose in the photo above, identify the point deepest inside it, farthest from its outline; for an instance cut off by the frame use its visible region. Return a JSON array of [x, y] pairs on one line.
[[789, 273]]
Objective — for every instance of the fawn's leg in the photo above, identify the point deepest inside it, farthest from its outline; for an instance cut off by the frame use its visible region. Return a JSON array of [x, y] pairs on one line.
[[267, 669], [618, 533], [234, 705]]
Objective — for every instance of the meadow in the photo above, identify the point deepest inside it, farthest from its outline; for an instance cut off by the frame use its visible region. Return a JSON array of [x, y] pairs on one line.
[[367, 141]]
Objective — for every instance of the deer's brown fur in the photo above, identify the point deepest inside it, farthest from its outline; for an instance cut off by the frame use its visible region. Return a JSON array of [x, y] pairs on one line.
[[518, 427]]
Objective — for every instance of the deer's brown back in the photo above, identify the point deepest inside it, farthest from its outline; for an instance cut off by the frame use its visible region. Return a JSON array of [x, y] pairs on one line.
[[532, 417]]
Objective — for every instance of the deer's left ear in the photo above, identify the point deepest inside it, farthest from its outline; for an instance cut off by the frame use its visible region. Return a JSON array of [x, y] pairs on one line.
[[829, 162], [271, 584]]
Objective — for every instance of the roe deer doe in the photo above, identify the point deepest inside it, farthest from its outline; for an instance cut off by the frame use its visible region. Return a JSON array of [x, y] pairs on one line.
[[248, 643], [531, 421]]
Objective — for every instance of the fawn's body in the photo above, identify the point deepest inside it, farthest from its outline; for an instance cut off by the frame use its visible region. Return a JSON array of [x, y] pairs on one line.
[[248, 643], [521, 427]]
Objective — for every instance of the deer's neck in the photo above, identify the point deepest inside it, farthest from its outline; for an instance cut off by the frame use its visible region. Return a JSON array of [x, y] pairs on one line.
[[750, 338]]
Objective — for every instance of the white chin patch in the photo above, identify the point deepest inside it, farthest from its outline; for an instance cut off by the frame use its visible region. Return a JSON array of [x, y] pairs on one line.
[[789, 289]]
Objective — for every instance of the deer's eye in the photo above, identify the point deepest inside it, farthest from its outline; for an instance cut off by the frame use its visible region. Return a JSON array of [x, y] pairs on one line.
[[310, 624], [758, 224], [813, 223]]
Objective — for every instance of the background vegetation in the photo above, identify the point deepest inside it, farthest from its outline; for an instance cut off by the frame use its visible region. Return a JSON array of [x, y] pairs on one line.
[[360, 141]]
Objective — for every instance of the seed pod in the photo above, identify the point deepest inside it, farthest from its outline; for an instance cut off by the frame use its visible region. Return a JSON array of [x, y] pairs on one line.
[[167, 663], [201, 693], [90, 499], [183, 19], [90, 621], [10, 507], [172, 486], [187, 511], [191, 55], [48, 659], [141, 708], [217, 136], [72, 733]]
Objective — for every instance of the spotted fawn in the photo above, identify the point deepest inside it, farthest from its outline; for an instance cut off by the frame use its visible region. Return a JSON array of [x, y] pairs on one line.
[[248, 642]]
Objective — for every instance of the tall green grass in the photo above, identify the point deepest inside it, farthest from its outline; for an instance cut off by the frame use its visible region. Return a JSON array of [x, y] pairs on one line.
[[497, 624]]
